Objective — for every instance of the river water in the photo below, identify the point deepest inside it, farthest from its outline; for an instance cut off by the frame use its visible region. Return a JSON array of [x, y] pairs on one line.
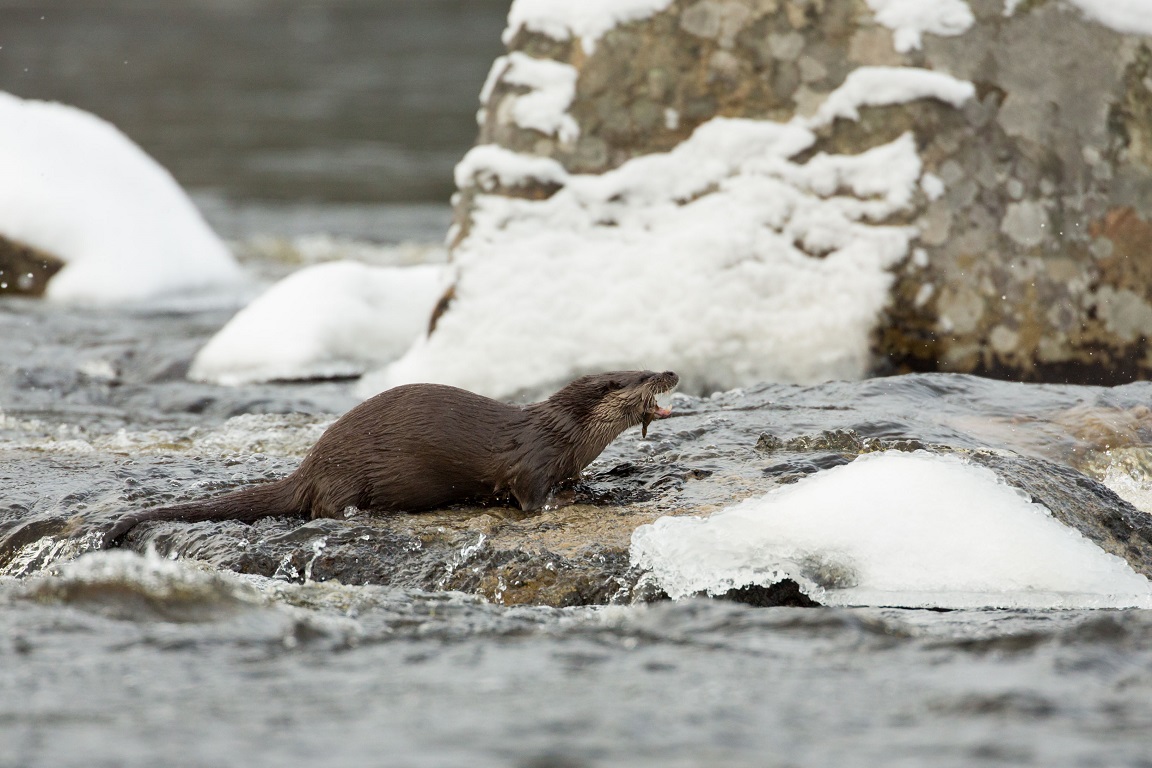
[[306, 126]]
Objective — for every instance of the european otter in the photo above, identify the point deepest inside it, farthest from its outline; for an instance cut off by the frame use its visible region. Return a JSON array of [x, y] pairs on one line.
[[422, 446]]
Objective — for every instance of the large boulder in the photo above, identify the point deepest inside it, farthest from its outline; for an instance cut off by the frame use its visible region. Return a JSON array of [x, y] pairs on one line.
[[1027, 215]]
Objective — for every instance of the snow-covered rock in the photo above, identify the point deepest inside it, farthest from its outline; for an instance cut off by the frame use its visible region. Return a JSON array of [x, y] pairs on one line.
[[586, 241], [74, 187], [892, 528]]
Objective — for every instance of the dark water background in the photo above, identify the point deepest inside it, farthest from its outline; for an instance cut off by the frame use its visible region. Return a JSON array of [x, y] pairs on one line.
[[281, 117], [346, 117], [332, 100]]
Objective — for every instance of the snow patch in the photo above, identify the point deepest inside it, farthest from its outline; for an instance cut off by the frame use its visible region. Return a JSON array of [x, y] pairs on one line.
[[76, 187], [883, 86], [933, 186], [630, 269], [329, 320], [489, 166], [587, 20], [910, 19], [1129, 17], [905, 529], [552, 86]]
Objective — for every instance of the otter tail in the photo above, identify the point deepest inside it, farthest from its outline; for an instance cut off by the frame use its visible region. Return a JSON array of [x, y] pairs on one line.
[[265, 500]]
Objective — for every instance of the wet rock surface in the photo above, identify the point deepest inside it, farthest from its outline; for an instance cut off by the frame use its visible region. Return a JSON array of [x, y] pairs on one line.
[[1035, 193]]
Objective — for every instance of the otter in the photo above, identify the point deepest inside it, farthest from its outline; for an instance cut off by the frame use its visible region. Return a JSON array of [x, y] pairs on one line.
[[421, 446]]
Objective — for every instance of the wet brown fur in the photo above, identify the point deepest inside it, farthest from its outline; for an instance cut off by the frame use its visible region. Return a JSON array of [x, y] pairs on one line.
[[423, 446]]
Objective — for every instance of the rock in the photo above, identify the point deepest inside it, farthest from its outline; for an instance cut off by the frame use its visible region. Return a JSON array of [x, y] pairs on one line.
[[1036, 215], [573, 556], [710, 455], [25, 270], [80, 191]]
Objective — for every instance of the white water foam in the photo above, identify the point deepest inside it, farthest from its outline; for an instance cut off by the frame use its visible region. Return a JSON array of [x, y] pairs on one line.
[[903, 529], [1134, 487]]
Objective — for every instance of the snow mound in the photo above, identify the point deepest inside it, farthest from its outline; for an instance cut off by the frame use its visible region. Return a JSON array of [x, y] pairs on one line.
[[329, 320], [904, 529], [723, 259], [75, 187]]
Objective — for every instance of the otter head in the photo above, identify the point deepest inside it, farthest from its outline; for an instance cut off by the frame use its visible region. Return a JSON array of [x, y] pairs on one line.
[[609, 403]]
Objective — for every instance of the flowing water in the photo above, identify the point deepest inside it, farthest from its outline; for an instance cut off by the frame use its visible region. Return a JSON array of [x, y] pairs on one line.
[[221, 672], [330, 128]]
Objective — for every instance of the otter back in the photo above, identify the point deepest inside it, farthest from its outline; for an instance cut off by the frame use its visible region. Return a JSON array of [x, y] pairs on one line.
[[411, 448]]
